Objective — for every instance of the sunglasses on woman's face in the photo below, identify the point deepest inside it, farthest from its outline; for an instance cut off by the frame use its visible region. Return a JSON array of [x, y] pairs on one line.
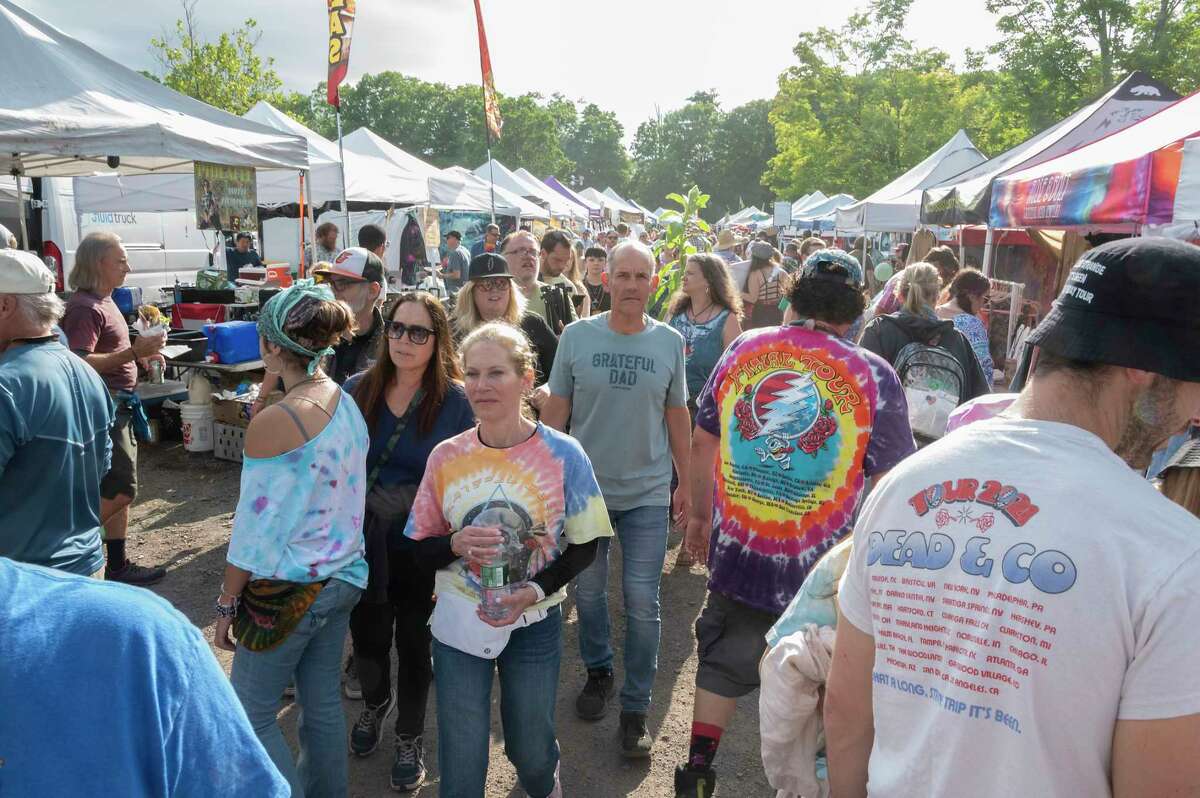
[[493, 284], [416, 334]]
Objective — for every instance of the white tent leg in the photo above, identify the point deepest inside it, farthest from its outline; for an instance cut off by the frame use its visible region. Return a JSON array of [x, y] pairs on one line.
[[987, 252], [21, 212]]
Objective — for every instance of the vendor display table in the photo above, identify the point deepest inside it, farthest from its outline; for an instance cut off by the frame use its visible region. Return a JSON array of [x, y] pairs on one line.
[[219, 368], [155, 393]]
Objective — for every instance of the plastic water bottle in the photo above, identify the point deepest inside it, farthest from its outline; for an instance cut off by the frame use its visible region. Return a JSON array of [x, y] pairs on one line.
[[494, 580]]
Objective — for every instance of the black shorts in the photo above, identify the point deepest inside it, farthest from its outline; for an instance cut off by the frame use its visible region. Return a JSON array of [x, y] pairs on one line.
[[730, 640], [121, 479]]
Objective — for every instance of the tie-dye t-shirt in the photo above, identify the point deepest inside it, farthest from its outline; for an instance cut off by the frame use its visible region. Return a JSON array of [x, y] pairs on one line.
[[541, 493], [803, 416], [300, 514]]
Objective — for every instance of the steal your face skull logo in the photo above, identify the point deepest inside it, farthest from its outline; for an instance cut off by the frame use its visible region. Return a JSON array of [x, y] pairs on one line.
[[785, 411]]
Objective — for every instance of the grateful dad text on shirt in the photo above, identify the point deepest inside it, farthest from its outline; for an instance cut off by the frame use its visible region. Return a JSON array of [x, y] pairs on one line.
[[623, 368]]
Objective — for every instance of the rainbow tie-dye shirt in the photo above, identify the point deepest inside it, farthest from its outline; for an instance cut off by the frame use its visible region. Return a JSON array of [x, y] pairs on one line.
[[803, 416], [542, 493]]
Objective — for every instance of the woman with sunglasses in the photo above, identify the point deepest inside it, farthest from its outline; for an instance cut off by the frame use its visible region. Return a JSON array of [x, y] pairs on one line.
[[489, 295], [412, 400]]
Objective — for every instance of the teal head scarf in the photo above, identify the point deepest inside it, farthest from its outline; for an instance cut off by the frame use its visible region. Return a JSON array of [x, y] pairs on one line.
[[275, 312]]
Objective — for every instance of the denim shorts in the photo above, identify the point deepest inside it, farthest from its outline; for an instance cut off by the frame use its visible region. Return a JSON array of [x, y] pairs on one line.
[[730, 640]]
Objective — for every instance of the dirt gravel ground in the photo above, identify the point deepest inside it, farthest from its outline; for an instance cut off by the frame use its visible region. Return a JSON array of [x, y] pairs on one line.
[[183, 516]]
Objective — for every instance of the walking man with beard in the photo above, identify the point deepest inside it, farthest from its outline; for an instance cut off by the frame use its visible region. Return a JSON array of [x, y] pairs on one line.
[[1018, 616]]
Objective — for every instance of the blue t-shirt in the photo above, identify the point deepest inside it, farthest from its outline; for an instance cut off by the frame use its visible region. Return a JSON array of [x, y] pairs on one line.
[[406, 466], [107, 690], [55, 414]]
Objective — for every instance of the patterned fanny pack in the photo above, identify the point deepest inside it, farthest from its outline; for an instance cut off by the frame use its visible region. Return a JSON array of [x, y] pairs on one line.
[[270, 610]]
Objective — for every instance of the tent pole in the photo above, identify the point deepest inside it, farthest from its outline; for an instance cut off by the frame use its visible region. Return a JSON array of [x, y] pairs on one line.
[[304, 265], [987, 252], [491, 176], [16, 173], [312, 223], [962, 245], [342, 162]]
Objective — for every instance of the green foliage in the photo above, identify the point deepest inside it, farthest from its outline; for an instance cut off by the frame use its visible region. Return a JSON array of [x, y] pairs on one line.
[[679, 239], [226, 73]]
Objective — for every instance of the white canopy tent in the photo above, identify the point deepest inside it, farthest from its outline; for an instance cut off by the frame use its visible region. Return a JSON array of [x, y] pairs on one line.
[[823, 215], [897, 206], [649, 215], [621, 203], [578, 211], [66, 110], [504, 198], [802, 205], [600, 200], [445, 189], [558, 205]]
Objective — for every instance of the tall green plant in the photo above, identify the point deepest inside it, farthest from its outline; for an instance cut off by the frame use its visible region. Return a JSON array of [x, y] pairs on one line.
[[681, 237]]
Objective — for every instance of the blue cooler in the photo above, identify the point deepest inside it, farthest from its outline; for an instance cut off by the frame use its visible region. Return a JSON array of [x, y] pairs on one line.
[[127, 299], [233, 341]]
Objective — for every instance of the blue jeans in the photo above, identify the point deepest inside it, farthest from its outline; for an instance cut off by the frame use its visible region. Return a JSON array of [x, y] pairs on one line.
[[313, 653], [643, 535], [528, 668]]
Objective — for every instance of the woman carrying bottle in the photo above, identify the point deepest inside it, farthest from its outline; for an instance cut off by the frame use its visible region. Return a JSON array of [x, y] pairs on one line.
[[295, 562], [516, 507], [412, 400]]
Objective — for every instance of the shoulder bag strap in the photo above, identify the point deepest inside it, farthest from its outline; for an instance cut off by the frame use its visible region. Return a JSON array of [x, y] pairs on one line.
[[390, 447]]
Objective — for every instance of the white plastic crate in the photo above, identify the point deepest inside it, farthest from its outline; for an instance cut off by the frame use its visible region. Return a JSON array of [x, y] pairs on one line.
[[229, 441]]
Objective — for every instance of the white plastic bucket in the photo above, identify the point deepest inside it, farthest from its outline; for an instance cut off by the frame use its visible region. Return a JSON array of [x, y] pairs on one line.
[[197, 423]]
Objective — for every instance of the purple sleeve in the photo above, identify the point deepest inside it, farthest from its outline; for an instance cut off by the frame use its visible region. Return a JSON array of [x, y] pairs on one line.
[[891, 436]]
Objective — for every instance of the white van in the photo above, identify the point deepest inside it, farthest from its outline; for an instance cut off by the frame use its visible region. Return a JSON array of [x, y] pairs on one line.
[[162, 247]]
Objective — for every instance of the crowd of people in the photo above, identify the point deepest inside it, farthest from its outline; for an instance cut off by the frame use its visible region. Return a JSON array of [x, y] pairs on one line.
[[926, 603]]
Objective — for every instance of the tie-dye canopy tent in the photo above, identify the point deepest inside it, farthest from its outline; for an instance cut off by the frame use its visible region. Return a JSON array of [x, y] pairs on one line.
[[1130, 177]]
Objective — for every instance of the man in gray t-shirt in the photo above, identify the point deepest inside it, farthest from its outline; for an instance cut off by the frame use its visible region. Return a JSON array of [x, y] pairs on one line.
[[456, 264], [620, 379]]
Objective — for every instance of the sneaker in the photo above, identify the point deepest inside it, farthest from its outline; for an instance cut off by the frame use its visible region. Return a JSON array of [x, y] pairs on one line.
[[364, 737], [694, 782], [351, 686], [635, 740], [593, 701], [408, 769], [133, 574]]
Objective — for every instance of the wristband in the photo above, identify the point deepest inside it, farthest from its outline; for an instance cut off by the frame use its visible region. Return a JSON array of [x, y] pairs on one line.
[[541, 594], [224, 611]]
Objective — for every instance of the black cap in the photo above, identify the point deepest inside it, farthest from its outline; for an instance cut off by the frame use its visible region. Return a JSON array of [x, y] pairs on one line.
[[489, 264], [1130, 303]]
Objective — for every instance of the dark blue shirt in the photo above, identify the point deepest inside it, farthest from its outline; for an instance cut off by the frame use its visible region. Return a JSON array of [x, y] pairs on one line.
[[235, 260], [108, 690], [406, 466], [55, 415]]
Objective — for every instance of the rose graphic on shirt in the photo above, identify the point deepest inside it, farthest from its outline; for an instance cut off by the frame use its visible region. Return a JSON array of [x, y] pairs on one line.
[[786, 409]]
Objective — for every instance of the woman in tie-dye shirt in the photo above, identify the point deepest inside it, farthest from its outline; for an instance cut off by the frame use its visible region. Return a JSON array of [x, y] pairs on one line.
[[511, 490]]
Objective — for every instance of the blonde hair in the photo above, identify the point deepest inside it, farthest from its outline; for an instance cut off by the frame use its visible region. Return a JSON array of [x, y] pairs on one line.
[[1182, 486], [85, 274], [919, 286], [466, 315], [513, 342]]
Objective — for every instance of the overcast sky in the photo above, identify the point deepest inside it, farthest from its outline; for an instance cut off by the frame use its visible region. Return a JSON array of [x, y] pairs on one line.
[[625, 55]]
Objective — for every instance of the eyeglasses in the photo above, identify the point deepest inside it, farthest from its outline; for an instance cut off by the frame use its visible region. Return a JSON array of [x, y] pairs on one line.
[[336, 283], [416, 334], [522, 252], [492, 284]]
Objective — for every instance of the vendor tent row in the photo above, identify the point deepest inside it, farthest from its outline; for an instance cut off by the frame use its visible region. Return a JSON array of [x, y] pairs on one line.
[[131, 143], [377, 173]]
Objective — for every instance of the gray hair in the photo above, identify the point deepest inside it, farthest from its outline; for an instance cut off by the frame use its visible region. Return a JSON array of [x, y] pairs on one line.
[[39, 310], [632, 246], [85, 275]]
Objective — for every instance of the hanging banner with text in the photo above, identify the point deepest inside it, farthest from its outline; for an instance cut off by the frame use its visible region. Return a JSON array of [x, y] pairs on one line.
[[226, 197], [341, 27]]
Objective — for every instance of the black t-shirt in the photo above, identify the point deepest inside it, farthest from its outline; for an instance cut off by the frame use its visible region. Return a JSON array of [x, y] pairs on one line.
[[544, 341], [359, 353], [235, 260]]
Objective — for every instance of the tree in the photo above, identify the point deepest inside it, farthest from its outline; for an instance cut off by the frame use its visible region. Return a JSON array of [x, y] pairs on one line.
[[227, 73], [679, 147], [594, 144], [744, 146]]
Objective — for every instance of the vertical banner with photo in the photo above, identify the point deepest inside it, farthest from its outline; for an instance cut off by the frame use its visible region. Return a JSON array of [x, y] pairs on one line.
[[226, 197]]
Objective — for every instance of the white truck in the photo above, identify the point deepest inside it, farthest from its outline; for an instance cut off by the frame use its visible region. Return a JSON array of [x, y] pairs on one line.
[[162, 247]]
